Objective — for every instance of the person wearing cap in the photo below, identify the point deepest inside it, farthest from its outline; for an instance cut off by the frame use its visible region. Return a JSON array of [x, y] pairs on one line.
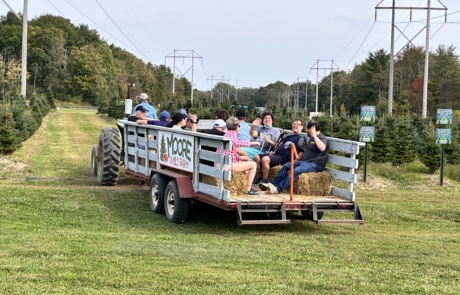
[[243, 132], [179, 121], [143, 101], [240, 163], [164, 120], [191, 121], [139, 115]]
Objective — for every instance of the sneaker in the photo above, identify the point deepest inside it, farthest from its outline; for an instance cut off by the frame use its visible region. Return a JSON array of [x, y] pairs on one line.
[[256, 180], [264, 180], [253, 192], [273, 190], [265, 186]]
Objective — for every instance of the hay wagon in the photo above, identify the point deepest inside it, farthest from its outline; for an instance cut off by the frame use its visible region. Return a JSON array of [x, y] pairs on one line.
[[171, 162]]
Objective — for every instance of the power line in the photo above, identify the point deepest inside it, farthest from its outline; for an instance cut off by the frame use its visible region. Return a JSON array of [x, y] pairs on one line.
[[56, 8], [121, 30], [354, 37], [360, 45], [99, 26]]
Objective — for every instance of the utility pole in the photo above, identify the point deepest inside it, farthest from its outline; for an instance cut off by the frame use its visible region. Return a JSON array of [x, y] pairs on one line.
[[428, 8], [427, 58], [24, 51], [331, 68], [183, 54]]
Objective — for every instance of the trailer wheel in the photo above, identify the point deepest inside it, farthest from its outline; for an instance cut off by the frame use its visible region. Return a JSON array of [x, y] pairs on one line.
[[94, 161], [308, 215], [176, 208], [156, 194], [108, 160]]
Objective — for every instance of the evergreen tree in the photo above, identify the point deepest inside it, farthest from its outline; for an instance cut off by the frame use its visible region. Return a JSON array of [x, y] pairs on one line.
[[403, 144], [430, 151]]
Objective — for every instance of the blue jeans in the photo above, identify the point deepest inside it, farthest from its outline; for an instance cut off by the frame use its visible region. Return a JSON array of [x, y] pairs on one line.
[[282, 180]]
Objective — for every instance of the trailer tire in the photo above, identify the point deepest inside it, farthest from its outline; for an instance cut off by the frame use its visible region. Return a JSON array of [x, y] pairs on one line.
[[308, 215], [176, 208], [94, 161], [108, 160], [156, 194]]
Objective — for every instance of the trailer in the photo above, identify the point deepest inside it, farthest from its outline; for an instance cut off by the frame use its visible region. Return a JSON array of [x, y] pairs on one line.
[[170, 162]]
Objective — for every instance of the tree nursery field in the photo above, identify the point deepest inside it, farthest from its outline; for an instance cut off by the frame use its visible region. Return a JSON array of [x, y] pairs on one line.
[[61, 233]]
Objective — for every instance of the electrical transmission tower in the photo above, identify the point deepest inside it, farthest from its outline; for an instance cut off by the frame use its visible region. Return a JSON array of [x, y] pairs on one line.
[[183, 54], [220, 90], [331, 68], [393, 8]]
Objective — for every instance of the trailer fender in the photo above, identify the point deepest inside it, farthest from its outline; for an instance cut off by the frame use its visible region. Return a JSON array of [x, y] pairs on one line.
[[184, 183]]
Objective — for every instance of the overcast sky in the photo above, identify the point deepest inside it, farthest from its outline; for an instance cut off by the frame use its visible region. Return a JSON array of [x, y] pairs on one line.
[[252, 43]]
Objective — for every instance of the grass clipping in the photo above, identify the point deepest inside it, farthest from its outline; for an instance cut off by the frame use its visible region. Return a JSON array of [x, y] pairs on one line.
[[237, 186], [309, 184]]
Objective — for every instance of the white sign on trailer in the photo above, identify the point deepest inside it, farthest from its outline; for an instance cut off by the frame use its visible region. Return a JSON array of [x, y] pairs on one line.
[[176, 150]]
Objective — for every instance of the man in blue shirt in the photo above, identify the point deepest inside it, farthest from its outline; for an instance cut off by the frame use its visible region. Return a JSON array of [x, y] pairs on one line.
[[243, 132], [143, 101]]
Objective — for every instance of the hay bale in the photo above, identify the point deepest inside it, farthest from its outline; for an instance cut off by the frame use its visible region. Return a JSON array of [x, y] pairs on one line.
[[237, 186], [308, 184], [273, 171], [313, 184]]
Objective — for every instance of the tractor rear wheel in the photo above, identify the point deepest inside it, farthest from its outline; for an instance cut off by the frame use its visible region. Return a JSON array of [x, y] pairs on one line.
[[108, 160], [94, 161]]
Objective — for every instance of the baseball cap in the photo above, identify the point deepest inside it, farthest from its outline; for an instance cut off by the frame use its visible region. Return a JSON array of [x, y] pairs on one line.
[[143, 96], [178, 116], [241, 113], [164, 114], [219, 123], [141, 108], [183, 111]]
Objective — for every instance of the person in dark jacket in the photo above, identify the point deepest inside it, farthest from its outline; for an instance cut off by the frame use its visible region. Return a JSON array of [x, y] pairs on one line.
[[314, 160]]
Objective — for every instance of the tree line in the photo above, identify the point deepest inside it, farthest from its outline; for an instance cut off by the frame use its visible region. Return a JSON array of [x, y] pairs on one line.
[[72, 64]]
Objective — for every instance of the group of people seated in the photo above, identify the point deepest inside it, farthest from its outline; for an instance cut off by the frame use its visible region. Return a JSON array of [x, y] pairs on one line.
[[253, 157]]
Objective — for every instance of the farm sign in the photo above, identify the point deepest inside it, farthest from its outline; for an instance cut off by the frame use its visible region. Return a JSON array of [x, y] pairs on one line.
[[368, 113], [444, 116], [176, 150], [366, 134]]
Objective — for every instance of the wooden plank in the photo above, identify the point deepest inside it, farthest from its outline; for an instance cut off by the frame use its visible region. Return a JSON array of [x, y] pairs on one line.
[[341, 193], [342, 175], [350, 147], [213, 191], [214, 172], [212, 156], [342, 161]]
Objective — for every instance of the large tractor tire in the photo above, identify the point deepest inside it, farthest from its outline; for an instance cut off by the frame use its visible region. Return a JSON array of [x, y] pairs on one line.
[[108, 160], [94, 161], [156, 193], [176, 208]]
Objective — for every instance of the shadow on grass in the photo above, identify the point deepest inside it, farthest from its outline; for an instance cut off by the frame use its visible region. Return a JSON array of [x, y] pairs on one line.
[[132, 210]]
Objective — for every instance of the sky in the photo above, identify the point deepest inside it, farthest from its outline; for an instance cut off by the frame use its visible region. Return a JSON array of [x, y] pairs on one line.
[[252, 43]]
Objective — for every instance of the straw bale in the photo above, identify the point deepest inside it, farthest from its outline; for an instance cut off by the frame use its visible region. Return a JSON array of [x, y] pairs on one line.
[[237, 186], [273, 171], [313, 184]]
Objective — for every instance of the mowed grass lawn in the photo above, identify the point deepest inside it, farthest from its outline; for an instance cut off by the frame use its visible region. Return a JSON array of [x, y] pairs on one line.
[[66, 235]]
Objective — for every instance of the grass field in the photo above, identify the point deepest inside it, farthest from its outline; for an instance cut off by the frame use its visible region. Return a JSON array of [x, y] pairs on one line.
[[61, 233]]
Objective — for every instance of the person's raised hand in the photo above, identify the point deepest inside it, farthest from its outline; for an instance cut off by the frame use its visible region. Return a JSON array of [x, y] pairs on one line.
[[256, 122]]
